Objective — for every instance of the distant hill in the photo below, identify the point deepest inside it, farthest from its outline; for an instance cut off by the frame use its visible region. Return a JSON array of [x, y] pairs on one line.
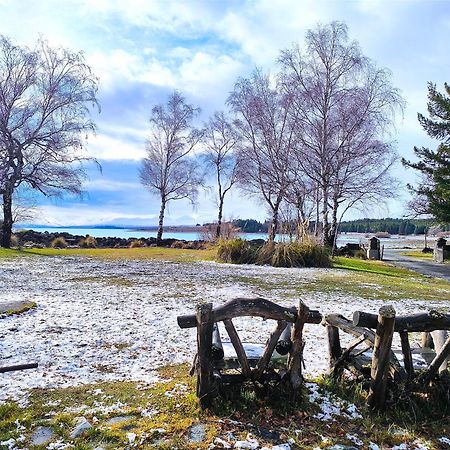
[[389, 225]]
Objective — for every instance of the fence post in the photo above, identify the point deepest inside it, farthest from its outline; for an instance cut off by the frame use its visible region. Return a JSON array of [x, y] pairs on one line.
[[204, 344], [381, 356]]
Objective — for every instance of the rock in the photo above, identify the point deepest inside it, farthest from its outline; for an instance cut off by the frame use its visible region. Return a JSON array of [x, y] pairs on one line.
[[197, 433], [16, 306], [82, 426], [118, 420], [42, 435]]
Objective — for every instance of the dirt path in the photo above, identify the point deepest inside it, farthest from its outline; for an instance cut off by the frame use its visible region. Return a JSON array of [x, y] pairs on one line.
[[425, 267]]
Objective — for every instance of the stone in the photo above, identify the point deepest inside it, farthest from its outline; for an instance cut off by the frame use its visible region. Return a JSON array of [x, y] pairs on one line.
[[197, 433], [118, 420], [82, 426], [42, 435], [16, 306]]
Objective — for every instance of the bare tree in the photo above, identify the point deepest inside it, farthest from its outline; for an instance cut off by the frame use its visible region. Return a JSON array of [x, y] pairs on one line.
[[45, 94], [264, 122], [220, 144], [168, 170], [344, 108]]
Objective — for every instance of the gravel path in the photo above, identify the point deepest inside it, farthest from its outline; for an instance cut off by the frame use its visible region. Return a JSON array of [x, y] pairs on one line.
[[425, 267], [116, 320]]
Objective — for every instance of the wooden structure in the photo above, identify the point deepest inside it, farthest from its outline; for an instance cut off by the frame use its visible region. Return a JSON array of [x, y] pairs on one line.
[[376, 360], [213, 369]]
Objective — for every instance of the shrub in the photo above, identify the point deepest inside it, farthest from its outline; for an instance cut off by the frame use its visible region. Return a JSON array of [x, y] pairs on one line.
[[361, 254], [177, 244], [135, 243], [59, 242], [14, 241], [238, 251], [88, 242]]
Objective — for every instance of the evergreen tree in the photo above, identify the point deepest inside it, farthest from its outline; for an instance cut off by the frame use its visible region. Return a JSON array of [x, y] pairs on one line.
[[433, 194]]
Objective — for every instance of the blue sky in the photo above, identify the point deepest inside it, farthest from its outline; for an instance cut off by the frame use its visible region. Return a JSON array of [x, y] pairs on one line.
[[141, 50]]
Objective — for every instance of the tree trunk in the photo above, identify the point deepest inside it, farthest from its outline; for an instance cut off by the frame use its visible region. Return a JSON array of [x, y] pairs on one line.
[[325, 240], [316, 225], [334, 224], [161, 222], [7, 219], [219, 218], [274, 224]]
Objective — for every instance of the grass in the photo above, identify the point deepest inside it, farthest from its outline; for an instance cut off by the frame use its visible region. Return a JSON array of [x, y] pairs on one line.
[[24, 307], [161, 253], [160, 416], [422, 256]]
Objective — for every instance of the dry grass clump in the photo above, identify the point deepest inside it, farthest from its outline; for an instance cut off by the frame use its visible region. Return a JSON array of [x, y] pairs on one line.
[[88, 242], [59, 242], [276, 254], [136, 243]]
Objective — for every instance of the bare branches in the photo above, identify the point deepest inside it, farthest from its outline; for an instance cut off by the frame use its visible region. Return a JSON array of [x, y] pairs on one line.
[[220, 142], [45, 99], [168, 170]]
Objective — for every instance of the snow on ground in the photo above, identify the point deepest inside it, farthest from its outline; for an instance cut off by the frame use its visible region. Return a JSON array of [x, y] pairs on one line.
[[100, 320]]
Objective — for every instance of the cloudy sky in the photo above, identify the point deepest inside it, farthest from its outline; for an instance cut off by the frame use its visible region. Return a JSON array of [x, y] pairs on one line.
[[142, 49]]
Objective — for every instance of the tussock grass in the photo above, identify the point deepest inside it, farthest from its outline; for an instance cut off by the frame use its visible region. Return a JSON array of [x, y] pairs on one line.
[[278, 254]]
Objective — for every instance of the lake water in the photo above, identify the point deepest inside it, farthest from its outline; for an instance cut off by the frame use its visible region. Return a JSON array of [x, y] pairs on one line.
[[343, 239]]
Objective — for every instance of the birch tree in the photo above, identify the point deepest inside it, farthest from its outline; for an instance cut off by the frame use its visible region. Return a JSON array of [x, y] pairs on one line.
[[169, 170], [220, 142], [345, 107], [264, 122], [45, 99]]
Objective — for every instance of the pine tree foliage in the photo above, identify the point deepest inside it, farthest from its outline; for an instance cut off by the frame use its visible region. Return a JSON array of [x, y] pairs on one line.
[[433, 194]]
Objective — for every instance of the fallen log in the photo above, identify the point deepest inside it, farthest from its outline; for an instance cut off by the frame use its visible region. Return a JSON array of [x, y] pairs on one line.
[[429, 321], [18, 367], [251, 307]]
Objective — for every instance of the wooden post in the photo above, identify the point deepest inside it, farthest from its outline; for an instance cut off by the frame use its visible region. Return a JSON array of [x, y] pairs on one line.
[[268, 351], [436, 363], [237, 344], [334, 345], [296, 354], [204, 344], [381, 356], [439, 338], [426, 341], [407, 357]]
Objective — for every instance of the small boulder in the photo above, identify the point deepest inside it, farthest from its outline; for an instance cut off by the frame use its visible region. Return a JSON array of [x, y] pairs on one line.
[[42, 435], [197, 433], [82, 426]]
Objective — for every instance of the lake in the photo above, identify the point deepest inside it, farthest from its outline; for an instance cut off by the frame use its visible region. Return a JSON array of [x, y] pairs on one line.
[[393, 241]]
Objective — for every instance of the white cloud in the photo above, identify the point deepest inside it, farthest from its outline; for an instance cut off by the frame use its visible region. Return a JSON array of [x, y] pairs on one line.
[[103, 146]]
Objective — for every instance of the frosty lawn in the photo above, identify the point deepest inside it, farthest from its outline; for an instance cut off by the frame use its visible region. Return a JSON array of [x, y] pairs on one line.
[[104, 320]]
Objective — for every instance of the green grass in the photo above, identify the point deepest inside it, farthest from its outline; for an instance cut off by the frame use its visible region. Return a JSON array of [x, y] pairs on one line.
[[161, 253], [171, 404], [418, 254]]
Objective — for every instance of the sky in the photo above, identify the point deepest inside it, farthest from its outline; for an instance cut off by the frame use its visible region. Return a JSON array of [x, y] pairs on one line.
[[142, 50]]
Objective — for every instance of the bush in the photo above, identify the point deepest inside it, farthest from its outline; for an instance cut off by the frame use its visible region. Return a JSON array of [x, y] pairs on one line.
[[135, 243], [279, 254], [177, 244], [88, 242], [59, 242], [237, 251], [294, 254]]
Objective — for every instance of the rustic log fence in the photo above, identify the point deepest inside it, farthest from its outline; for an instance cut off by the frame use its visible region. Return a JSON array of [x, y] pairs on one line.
[[211, 367], [369, 355], [383, 363]]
